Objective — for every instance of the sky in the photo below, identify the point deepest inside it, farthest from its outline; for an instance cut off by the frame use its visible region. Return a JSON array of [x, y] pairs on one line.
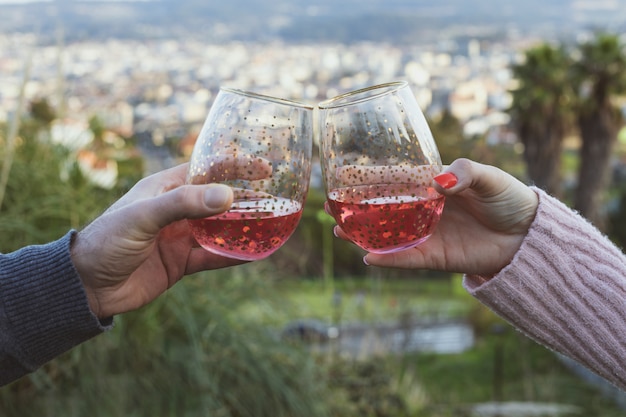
[[48, 1]]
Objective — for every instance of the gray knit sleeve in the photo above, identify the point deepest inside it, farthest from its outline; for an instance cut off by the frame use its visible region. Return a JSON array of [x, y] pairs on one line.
[[43, 308], [566, 289]]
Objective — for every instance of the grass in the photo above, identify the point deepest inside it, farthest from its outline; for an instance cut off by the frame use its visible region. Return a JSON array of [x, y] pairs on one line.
[[527, 372], [504, 365], [202, 345], [365, 299]]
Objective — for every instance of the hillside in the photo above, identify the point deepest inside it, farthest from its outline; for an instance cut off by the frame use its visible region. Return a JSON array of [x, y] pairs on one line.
[[299, 20]]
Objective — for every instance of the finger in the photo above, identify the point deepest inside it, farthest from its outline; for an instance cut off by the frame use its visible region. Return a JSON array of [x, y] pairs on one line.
[[327, 208], [483, 179], [202, 260], [412, 258], [163, 181], [153, 185], [393, 174], [243, 194], [338, 232], [149, 216], [230, 167]]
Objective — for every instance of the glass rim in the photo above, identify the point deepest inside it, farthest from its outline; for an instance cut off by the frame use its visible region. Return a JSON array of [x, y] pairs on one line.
[[386, 88], [265, 97]]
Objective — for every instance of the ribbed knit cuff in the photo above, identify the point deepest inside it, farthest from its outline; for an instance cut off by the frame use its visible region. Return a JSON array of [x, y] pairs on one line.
[[45, 306], [566, 289]]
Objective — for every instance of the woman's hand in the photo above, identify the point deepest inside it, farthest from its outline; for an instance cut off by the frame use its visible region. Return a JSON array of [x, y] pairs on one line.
[[486, 217]]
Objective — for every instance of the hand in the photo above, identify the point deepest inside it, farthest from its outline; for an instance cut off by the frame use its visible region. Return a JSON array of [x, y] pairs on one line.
[[377, 174], [142, 245], [486, 217]]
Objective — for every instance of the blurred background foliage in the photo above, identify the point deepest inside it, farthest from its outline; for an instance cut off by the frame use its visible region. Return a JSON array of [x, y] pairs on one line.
[[211, 345]]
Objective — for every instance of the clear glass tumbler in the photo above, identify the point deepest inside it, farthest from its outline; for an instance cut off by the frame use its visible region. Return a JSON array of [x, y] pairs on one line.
[[261, 147], [378, 159]]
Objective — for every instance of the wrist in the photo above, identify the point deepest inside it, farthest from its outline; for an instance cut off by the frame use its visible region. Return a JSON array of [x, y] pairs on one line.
[[77, 255], [526, 216]]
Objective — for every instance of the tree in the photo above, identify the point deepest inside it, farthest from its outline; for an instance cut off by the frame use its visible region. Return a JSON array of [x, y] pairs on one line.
[[42, 112], [599, 75], [448, 133], [541, 112]]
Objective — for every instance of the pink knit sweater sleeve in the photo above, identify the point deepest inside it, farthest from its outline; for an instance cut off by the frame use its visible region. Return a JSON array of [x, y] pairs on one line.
[[566, 289]]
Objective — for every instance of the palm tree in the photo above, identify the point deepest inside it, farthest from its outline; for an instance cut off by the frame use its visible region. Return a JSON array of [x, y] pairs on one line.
[[541, 110], [599, 75]]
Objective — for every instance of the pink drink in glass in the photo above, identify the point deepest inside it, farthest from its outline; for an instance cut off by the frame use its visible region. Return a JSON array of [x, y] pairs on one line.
[[247, 232], [382, 223], [260, 146]]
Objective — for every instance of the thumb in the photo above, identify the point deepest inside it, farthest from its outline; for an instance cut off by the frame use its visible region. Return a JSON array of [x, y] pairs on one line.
[[184, 202], [464, 173]]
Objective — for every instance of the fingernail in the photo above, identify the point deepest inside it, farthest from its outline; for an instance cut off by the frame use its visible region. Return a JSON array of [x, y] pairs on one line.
[[446, 180], [335, 231], [217, 196], [365, 261]]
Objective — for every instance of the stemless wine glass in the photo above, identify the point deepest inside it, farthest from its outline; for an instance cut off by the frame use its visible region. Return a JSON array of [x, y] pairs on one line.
[[261, 147], [378, 159]]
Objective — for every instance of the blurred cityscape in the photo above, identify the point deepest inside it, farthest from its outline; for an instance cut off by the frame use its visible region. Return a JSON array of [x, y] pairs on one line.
[[153, 79], [148, 72]]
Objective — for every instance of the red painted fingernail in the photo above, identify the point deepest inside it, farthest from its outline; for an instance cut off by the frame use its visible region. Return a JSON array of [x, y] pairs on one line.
[[446, 180]]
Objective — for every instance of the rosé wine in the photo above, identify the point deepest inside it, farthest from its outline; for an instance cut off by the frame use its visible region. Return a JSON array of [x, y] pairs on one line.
[[251, 230], [386, 218]]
